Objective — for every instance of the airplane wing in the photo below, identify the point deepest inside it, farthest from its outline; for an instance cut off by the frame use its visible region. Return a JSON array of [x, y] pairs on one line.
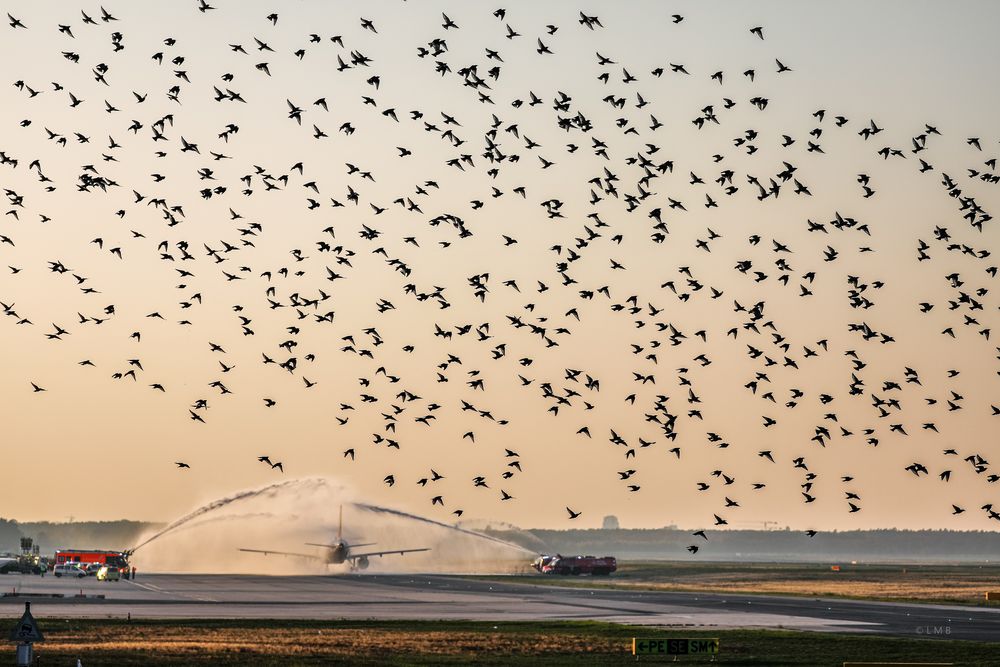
[[386, 553], [282, 553]]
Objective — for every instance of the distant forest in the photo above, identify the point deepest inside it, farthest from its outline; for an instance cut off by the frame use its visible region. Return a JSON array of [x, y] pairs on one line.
[[117, 535], [628, 544]]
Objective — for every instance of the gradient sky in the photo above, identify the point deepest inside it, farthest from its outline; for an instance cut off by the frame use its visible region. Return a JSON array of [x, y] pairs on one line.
[[94, 447]]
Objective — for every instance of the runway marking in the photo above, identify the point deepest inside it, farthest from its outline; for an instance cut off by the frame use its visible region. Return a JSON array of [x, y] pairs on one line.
[[157, 589], [148, 587]]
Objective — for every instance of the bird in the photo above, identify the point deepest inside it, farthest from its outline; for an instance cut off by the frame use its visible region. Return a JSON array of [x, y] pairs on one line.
[[476, 257]]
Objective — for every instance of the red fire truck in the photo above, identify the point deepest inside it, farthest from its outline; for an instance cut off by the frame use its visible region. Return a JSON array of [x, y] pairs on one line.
[[560, 564], [116, 559]]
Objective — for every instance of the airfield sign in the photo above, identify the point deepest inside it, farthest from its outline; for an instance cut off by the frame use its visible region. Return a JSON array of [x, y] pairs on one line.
[[674, 646], [26, 629]]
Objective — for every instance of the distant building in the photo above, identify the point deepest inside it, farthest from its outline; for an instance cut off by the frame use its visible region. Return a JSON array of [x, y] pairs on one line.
[[610, 523]]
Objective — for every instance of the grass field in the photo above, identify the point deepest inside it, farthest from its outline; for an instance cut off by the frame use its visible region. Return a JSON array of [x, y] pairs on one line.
[[263, 642], [941, 583]]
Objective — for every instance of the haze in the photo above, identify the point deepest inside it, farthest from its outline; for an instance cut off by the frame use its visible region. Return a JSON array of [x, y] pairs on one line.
[[94, 447]]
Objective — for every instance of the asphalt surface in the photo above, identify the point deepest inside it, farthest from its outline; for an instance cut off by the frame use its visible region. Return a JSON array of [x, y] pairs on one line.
[[426, 597]]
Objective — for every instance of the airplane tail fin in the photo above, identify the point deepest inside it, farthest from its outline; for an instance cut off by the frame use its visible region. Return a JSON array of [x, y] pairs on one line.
[[340, 524]]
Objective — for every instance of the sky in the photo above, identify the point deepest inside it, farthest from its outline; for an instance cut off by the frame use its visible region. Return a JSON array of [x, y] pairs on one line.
[[91, 446]]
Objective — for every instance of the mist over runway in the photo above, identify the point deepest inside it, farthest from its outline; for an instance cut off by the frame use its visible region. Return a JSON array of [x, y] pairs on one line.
[[424, 597], [297, 514]]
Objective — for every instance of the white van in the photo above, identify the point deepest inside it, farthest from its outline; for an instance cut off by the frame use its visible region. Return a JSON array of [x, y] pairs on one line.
[[69, 569]]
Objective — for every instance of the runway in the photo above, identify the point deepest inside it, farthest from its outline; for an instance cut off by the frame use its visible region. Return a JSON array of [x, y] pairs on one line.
[[426, 597]]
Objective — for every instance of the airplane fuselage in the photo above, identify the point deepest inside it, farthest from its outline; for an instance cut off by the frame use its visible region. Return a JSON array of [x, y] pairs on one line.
[[337, 553]]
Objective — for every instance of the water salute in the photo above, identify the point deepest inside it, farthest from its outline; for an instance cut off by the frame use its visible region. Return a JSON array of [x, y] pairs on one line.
[[433, 332]]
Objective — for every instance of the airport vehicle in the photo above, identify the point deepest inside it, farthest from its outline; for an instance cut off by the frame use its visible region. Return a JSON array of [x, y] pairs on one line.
[[564, 565], [108, 573], [86, 556], [92, 569], [28, 561], [69, 570], [340, 551], [23, 565]]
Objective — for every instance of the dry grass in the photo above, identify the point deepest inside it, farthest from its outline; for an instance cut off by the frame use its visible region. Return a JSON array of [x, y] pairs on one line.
[[845, 588], [927, 583], [100, 642], [179, 642], [889, 584]]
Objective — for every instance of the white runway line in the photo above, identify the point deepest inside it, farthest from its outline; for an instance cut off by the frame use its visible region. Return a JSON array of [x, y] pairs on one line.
[[157, 589]]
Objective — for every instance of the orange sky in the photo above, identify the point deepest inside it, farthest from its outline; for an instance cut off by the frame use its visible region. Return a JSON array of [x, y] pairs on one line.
[[96, 447]]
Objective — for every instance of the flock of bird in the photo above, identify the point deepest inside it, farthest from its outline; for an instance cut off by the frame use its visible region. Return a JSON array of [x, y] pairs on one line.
[[609, 203]]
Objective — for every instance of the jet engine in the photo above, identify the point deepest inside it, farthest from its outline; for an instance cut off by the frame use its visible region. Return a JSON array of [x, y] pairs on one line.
[[362, 563]]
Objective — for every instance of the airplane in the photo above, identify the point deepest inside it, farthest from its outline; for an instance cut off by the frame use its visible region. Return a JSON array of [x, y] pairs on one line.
[[340, 551]]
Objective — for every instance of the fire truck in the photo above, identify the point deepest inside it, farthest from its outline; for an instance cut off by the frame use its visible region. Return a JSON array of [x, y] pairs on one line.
[[564, 565], [116, 559]]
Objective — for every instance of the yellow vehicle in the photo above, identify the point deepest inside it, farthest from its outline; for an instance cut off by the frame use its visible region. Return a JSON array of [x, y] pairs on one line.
[[109, 573]]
